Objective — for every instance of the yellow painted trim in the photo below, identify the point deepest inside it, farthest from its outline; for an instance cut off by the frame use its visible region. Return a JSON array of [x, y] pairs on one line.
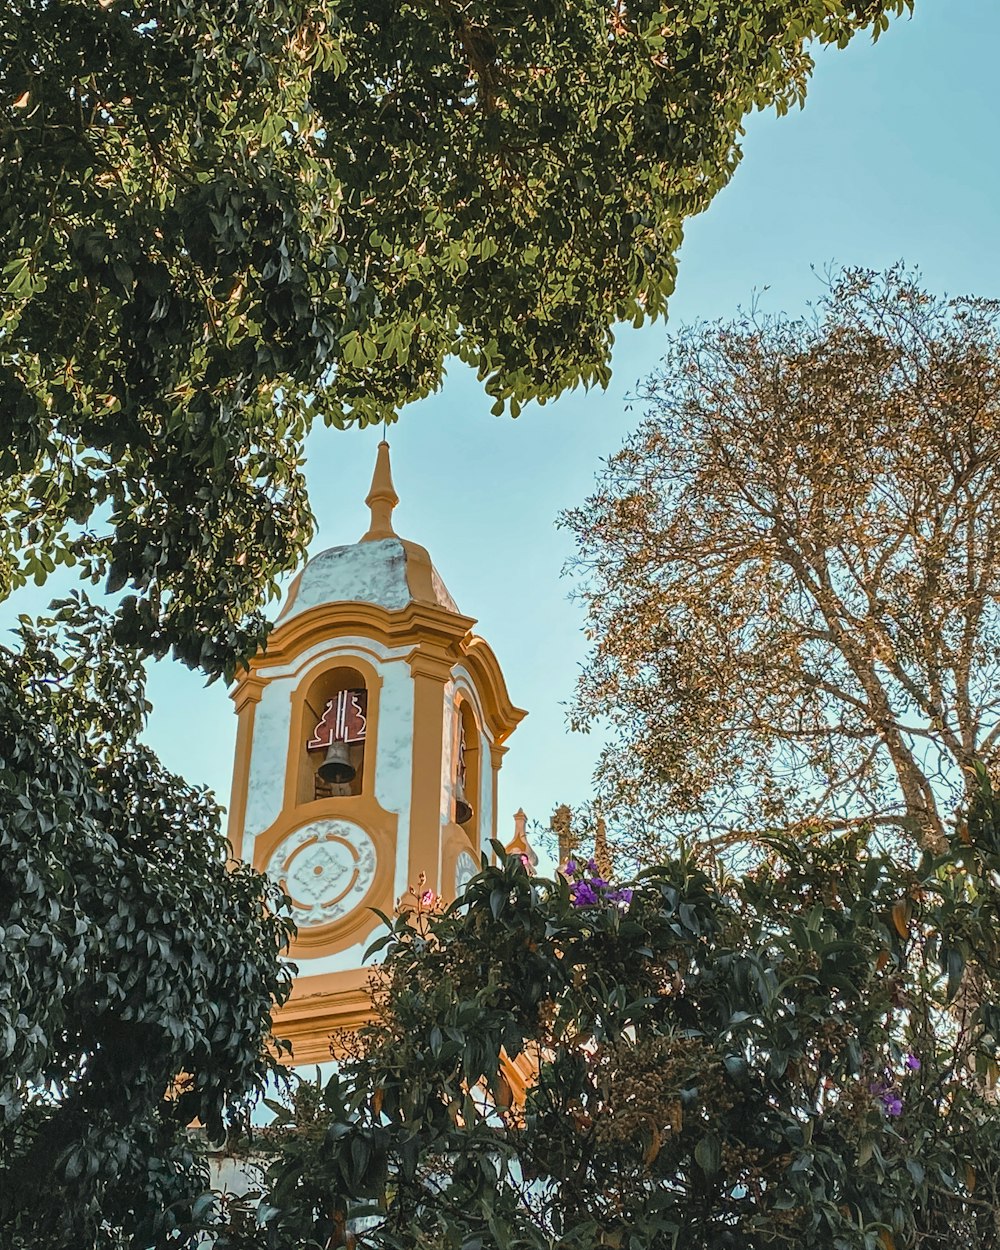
[[419, 573], [430, 675], [249, 691], [416, 623], [382, 498], [241, 778], [496, 760], [521, 1073], [319, 1008], [502, 717], [341, 651]]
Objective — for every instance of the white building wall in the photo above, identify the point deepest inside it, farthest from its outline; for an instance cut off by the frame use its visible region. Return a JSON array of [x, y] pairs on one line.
[[393, 763], [268, 757]]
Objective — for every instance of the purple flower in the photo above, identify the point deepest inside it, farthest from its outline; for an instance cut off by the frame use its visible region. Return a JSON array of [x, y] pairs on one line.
[[893, 1106], [570, 867], [913, 1063], [592, 865], [582, 895], [598, 883], [623, 896]]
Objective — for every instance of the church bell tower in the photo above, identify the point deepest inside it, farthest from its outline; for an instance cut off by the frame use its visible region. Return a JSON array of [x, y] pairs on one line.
[[371, 732]]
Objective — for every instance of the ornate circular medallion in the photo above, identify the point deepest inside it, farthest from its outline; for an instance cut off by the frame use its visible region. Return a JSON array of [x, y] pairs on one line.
[[465, 869], [326, 868]]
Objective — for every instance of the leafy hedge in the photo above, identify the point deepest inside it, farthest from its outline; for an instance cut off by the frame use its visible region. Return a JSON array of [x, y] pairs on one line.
[[222, 219], [804, 1055], [137, 967]]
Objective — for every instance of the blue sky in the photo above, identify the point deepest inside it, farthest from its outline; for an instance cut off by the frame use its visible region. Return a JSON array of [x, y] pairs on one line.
[[891, 159]]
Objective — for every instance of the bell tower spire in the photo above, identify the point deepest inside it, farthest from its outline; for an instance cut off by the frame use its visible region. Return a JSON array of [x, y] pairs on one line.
[[381, 498], [371, 734]]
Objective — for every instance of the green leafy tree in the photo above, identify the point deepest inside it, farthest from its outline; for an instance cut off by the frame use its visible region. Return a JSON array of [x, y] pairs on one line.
[[138, 968], [219, 220], [781, 1059], [791, 570]]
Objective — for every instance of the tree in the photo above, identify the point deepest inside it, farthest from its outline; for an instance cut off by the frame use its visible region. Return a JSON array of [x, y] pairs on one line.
[[719, 1063], [137, 968], [791, 570], [217, 222]]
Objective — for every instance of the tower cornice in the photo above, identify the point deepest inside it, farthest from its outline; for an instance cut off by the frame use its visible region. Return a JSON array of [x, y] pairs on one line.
[[445, 635], [416, 623]]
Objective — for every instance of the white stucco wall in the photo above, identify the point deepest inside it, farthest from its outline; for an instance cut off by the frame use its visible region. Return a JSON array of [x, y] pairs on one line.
[[486, 796], [268, 758], [393, 762], [272, 726], [394, 765], [393, 789]]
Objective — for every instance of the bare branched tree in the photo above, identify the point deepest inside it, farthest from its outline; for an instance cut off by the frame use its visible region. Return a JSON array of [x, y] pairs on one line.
[[791, 569]]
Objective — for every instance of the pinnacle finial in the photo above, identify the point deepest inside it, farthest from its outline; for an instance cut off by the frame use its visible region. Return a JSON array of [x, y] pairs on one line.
[[381, 499], [602, 852], [519, 844]]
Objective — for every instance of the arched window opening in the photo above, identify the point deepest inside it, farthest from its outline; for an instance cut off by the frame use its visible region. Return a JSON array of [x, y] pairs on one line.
[[467, 772], [334, 732]]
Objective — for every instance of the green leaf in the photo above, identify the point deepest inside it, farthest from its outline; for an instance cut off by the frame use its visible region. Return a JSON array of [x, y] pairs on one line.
[[955, 962], [708, 1154]]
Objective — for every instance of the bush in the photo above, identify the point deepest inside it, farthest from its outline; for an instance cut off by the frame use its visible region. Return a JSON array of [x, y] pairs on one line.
[[803, 1055]]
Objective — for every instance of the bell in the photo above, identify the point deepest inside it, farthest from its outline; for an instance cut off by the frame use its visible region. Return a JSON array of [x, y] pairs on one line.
[[463, 808], [337, 769]]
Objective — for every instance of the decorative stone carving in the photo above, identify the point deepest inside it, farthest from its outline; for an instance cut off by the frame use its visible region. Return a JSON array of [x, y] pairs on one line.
[[326, 867]]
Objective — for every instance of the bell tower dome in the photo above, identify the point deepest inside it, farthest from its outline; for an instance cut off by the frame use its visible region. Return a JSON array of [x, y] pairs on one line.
[[371, 732]]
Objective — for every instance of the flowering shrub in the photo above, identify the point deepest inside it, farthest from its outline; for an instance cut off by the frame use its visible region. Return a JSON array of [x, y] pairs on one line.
[[888, 1091], [802, 1056], [589, 889]]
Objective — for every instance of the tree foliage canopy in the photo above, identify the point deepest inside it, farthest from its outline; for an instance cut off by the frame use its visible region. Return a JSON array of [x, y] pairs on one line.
[[781, 1059], [217, 220], [137, 968], [792, 568]]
